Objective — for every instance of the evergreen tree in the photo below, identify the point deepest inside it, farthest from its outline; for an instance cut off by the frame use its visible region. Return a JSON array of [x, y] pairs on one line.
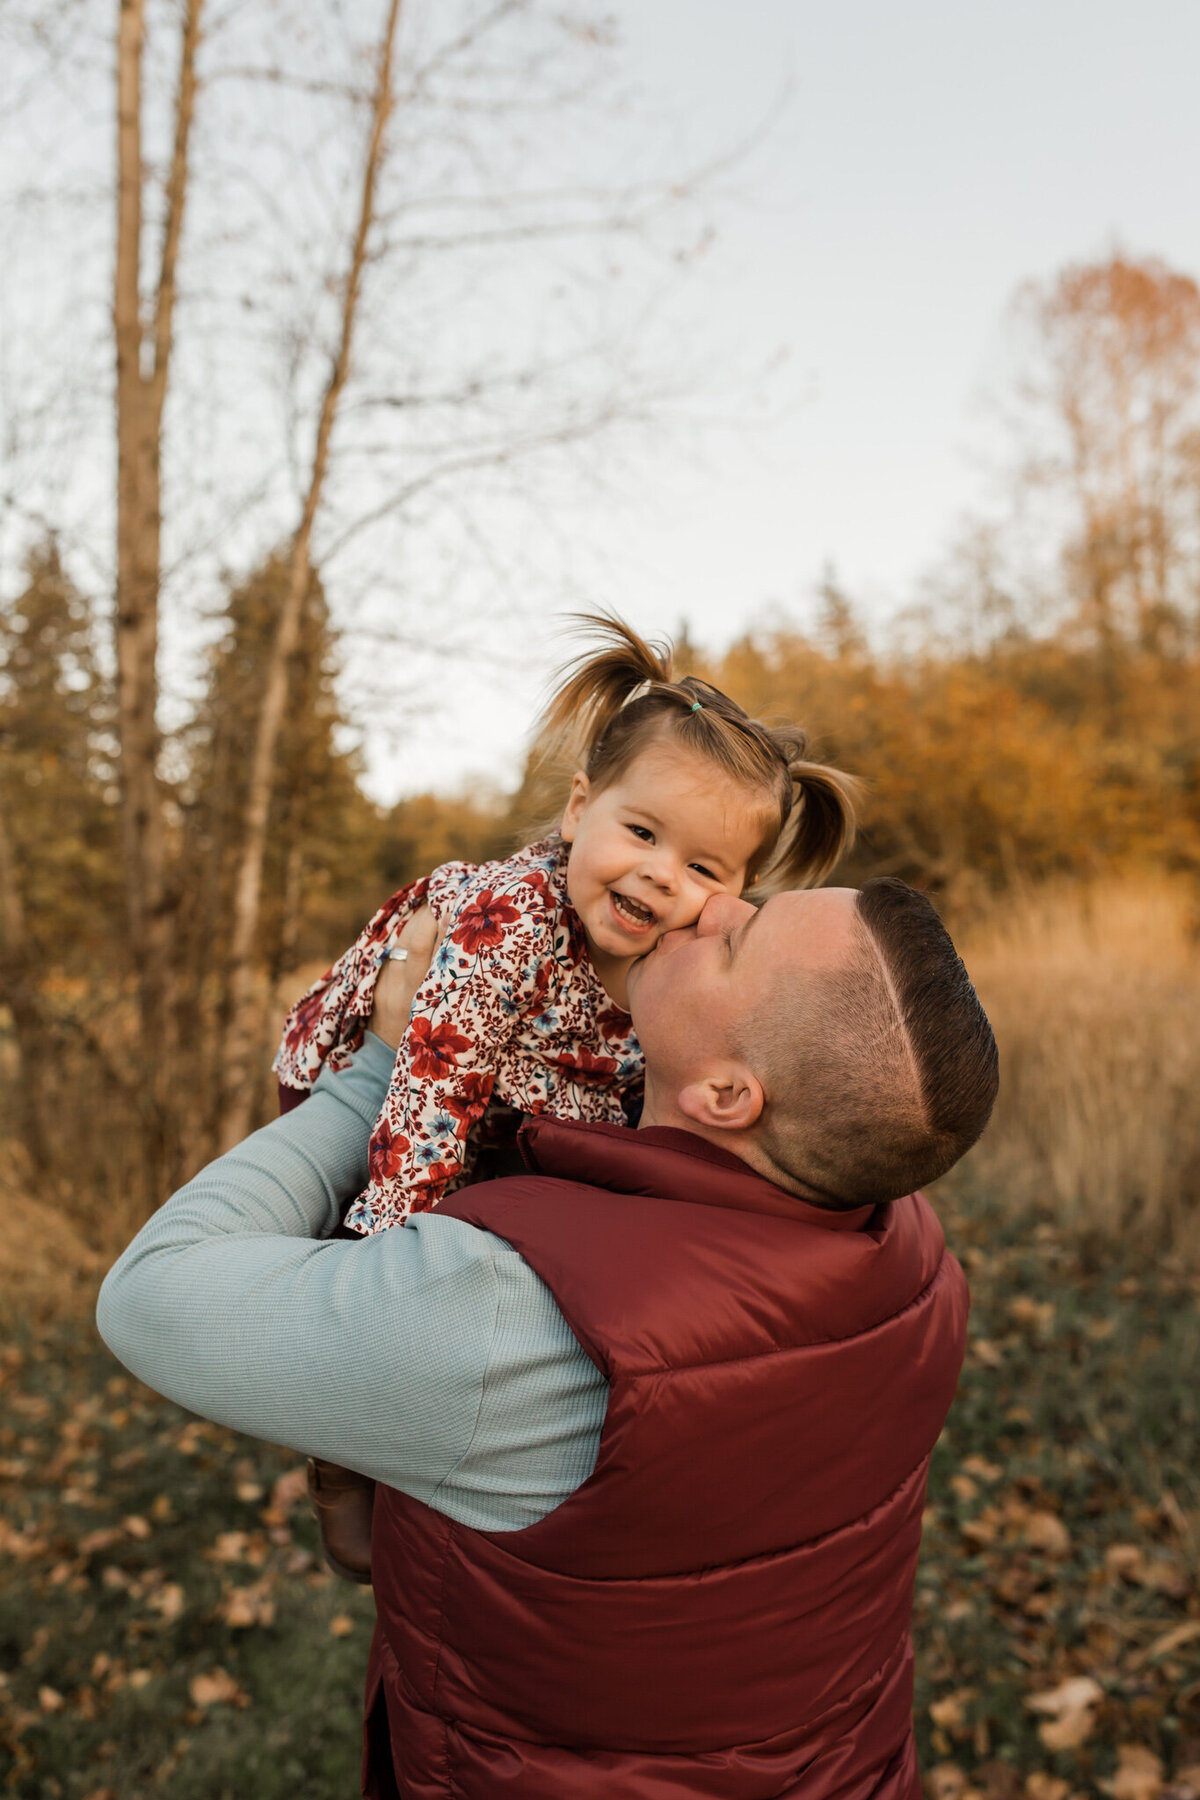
[[60, 884], [321, 874]]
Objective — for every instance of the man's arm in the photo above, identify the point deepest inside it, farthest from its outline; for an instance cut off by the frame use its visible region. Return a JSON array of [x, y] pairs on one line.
[[383, 1355]]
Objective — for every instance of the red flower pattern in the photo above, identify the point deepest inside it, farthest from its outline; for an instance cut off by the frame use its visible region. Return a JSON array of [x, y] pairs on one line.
[[481, 926], [511, 1009], [434, 1049], [469, 1103], [385, 1155]]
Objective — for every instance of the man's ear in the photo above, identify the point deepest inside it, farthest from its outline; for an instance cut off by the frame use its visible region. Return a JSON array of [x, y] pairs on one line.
[[577, 799], [728, 1099]]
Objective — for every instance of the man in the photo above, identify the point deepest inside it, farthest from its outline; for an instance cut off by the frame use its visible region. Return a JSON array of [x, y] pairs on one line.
[[651, 1422]]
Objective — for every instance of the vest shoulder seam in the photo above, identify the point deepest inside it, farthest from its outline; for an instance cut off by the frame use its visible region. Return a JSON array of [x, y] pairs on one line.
[[647, 1370]]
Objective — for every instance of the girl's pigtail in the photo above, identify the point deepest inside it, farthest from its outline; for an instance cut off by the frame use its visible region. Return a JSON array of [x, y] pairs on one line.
[[821, 825], [594, 686]]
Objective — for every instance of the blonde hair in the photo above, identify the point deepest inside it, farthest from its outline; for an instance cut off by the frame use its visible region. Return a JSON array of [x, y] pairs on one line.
[[612, 702]]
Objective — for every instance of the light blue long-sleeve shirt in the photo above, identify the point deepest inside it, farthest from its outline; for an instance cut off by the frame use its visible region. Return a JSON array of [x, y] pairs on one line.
[[430, 1356]]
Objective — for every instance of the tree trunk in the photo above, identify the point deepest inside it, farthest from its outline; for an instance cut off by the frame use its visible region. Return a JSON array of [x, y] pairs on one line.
[[241, 1038], [140, 397], [23, 999]]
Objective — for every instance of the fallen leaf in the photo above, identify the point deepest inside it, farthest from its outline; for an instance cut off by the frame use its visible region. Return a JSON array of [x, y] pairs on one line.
[[1046, 1531], [945, 1781], [979, 1465], [1038, 1315], [1139, 1774], [1165, 1577], [24, 1545], [217, 1688], [1170, 1640], [230, 1546], [1072, 1709], [341, 1625], [984, 1529], [50, 1700], [1186, 1785], [169, 1601], [290, 1487], [1077, 1690], [951, 1711], [1174, 1514], [1040, 1786], [242, 1607], [1069, 1731]]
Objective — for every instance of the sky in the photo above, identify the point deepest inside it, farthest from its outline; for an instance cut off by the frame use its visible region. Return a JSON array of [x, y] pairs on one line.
[[929, 157]]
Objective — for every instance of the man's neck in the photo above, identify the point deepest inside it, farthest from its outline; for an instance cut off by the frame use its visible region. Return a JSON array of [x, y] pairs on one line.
[[657, 1110]]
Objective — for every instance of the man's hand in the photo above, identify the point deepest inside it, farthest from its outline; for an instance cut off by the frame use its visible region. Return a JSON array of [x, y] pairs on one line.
[[400, 977]]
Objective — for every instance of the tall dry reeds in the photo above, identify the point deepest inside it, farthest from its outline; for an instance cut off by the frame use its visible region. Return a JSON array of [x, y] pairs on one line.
[[1094, 994]]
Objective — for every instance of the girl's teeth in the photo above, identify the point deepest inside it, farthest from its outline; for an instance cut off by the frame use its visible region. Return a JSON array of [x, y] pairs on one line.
[[641, 915]]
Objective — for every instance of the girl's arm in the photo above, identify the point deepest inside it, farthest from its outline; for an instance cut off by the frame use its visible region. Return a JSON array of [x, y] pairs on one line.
[[492, 972], [326, 1024]]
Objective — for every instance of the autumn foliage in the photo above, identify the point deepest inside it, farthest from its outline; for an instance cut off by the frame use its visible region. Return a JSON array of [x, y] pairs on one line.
[[1030, 748]]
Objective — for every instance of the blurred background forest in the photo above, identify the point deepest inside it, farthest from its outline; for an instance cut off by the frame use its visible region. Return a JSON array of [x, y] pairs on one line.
[[235, 504], [1032, 759]]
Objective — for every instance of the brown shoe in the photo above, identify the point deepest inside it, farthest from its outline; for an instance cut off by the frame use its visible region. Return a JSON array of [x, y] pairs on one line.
[[343, 1502]]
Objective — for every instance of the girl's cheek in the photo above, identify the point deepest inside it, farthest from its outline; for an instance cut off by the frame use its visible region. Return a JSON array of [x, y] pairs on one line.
[[690, 912]]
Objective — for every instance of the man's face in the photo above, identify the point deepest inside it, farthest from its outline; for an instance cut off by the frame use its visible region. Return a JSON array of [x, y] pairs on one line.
[[692, 996]]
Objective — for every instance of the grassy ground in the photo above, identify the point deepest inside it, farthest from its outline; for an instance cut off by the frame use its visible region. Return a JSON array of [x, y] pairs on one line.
[[165, 1630]]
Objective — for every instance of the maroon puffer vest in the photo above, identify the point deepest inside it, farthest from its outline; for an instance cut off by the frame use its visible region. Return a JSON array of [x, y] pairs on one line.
[[723, 1607]]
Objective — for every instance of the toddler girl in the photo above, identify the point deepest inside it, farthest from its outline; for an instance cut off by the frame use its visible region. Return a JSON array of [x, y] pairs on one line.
[[676, 795]]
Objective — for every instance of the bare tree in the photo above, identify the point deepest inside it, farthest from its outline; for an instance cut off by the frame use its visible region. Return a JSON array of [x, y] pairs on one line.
[[1112, 405], [377, 283], [144, 340], [241, 1037]]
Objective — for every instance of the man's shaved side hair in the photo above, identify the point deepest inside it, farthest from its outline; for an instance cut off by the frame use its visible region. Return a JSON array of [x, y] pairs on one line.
[[877, 1076]]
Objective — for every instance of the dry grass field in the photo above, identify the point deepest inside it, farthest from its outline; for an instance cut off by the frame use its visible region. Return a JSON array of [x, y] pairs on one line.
[[1094, 993]]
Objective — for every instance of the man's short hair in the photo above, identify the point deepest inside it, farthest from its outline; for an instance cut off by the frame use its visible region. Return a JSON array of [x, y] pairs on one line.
[[877, 1076]]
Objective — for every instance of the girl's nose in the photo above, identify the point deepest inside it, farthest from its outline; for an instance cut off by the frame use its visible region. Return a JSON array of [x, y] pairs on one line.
[[663, 869]]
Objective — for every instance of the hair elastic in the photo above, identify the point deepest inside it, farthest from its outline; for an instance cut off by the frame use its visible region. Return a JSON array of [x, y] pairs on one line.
[[697, 706]]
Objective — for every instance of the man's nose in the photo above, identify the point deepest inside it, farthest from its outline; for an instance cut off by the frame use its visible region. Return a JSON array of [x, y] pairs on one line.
[[723, 912]]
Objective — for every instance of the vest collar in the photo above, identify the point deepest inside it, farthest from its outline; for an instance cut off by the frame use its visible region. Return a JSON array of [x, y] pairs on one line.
[[665, 1163]]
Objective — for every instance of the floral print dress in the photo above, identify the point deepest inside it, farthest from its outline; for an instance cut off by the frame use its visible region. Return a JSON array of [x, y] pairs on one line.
[[511, 1011]]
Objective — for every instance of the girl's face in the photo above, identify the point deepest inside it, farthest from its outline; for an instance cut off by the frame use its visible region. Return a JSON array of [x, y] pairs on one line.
[[649, 849]]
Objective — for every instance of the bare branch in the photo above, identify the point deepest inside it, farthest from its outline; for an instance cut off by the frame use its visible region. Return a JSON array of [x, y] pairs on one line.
[[240, 1036], [177, 186]]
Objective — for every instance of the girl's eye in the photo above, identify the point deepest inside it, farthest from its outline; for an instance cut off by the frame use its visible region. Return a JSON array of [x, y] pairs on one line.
[[701, 870], [642, 831]]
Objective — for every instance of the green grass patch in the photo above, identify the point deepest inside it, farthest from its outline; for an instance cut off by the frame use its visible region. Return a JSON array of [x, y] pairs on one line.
[[1057, 1614]]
